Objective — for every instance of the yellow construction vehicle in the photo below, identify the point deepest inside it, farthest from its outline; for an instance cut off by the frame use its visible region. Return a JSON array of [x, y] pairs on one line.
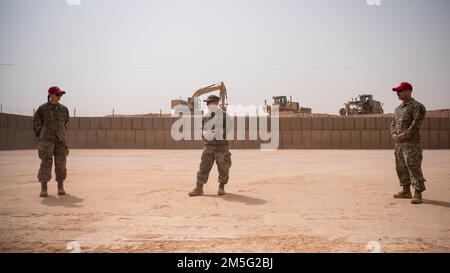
[[285, 106], [364, 105], [195, 97]]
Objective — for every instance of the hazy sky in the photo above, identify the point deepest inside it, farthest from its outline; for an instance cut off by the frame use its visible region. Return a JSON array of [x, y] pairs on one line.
[[137, 55]]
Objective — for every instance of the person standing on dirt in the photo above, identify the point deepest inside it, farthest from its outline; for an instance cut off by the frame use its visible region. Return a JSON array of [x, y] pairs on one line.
[[216, 125], [405, 131], [50, 123]]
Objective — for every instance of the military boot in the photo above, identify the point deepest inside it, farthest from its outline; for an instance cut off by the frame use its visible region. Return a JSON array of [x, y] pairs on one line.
[[221, 189], [43, 189], [61, 190], [198, 190], [417, 197], [405, 193]]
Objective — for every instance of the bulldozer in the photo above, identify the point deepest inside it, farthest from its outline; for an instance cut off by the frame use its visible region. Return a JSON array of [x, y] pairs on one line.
[[285, 106], [208, 89], [363, 105]]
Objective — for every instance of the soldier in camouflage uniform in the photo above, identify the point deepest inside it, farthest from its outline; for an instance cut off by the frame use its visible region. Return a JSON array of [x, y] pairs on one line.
[[50, 123], [408, 152], [215, 127]]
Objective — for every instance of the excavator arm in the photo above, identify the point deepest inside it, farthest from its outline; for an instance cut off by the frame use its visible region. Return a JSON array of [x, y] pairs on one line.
[[214, 87]]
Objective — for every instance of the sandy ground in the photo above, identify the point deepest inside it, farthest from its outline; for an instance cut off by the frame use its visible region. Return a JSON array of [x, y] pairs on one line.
[[283, 201]]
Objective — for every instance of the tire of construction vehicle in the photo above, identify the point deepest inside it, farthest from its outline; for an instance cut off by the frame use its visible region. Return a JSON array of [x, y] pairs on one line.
[[342, 112]]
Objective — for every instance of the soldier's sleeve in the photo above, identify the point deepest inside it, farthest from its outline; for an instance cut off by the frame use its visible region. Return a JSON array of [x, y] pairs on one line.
[[204, 120], [67, 119], [418, 117], [393, 128], [37, 122], [203, 127]]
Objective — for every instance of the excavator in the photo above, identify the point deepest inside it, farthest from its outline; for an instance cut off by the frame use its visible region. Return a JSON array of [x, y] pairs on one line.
[[192, 100]]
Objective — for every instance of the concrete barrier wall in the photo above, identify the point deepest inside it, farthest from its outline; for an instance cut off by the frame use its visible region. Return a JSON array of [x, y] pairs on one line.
[[154, 133], [16, 132]]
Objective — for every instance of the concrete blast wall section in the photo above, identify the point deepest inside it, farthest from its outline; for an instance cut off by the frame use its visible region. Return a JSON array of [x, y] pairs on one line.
[[154, 133]]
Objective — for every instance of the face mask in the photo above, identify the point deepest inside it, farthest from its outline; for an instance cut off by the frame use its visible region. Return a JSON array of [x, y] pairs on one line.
[[213, 107]]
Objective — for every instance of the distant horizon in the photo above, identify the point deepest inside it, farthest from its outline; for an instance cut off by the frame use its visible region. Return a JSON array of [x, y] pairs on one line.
[[136, 56], [434, 113]]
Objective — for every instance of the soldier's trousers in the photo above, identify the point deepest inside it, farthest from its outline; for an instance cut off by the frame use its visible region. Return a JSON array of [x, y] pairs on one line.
[[219, 153], [408, 161], [48, 150]]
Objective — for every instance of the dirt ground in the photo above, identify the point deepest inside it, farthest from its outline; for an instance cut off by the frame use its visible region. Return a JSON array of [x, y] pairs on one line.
[[283, 201]]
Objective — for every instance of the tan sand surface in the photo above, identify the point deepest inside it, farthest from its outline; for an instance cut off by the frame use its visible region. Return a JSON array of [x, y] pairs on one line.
[[282, 201]]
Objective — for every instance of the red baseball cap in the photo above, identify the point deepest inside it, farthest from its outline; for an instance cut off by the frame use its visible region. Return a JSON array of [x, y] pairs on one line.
[[56, 91], [403, 87]]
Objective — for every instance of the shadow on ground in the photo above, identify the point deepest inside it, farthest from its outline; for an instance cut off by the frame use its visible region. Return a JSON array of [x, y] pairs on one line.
[[68, 201], [233, 197], [437, 203]]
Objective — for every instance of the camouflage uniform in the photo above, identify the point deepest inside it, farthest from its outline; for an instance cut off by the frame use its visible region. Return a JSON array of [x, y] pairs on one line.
[[408, 153], [50, 123], [216, 149]]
